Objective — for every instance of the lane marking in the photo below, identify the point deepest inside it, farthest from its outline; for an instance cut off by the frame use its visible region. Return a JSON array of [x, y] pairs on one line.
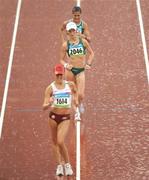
[[79, 3], [10, 65], [143, 37], [78, 150], [78, 154]]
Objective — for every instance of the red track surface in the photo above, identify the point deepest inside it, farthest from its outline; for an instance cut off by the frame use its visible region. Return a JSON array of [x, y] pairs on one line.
[[115, 129]]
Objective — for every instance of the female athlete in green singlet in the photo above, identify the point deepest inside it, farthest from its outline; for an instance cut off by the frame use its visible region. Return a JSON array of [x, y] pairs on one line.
[[75, 50], [82, 27]]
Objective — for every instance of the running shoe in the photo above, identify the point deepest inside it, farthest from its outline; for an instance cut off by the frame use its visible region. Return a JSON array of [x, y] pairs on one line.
[[68, 169], [59, 170], [81, 108]]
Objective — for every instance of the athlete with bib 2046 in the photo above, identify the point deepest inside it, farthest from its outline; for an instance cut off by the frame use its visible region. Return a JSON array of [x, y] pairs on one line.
[[82, 26], [73, 57], [59, 96]]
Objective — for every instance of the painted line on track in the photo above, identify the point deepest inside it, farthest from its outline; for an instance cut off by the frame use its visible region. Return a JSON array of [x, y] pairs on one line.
[[78, 150], [10, 65], [79, 3], [143, 37], [78, 129]]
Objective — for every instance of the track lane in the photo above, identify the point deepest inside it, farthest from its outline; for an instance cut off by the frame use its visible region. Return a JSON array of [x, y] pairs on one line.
[[113, 141], [7, 24], [26, 144], [116, 119]]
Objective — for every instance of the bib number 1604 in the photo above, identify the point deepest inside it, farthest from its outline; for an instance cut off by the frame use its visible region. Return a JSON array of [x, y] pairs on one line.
[[62, 101]]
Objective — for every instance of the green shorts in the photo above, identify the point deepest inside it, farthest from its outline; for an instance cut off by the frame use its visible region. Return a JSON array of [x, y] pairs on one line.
[[76, 71]]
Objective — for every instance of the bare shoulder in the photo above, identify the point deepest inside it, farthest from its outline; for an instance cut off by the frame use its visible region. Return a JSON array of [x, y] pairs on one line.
[[65, 22], [49, 89], [64, 45], [64, 25], [85, 24], [85, 42]]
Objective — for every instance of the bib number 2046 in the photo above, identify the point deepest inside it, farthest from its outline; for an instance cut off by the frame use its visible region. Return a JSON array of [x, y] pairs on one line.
[[76, 51]]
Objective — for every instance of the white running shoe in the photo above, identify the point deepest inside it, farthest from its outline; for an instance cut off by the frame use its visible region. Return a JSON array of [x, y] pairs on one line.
[[81, 108], [59, 170], [77, 115], [68, 169]]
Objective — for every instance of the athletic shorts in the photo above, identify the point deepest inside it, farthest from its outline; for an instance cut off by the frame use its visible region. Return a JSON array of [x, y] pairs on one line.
[[58, 118], [76, 71]]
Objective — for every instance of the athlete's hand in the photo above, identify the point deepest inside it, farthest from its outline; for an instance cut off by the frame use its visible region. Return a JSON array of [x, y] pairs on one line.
[[87, 67], [69, 66], [51, 101], [83, 36], [45, 106]]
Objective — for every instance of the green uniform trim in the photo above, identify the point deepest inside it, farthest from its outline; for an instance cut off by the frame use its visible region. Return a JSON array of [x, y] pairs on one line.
[[80, 27]]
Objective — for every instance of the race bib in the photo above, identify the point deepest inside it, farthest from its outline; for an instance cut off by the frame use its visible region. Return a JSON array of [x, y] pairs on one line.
[[76, 51], [62, 100]]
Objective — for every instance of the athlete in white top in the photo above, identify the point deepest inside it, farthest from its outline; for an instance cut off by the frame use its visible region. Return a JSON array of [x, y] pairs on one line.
[[59, 96]]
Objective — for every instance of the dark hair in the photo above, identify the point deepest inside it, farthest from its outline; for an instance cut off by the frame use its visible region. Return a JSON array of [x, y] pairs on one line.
[[76, 9]]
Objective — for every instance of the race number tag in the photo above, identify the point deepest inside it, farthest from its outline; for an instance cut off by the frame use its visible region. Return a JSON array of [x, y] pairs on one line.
[[62, 100], [76, 51]]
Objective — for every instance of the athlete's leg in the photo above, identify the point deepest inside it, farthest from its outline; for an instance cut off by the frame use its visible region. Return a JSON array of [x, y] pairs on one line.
[[63, 128], [62, 132], [56, 150], [80, 82], [69, 76]]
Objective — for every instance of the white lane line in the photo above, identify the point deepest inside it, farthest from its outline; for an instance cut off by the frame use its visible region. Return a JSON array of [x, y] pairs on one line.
[[10, 65], [78, 151], [79, 3], [143, 38]]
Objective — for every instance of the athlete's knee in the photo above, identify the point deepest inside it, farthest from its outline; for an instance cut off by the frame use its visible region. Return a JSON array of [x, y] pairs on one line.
[[54, 146], [54, 141], [60, 142]]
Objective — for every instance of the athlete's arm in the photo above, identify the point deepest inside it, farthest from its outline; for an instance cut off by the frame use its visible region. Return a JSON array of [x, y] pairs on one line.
[[47, 98], [89, 51], [86, 32], [74, 92], [63, 31], [63, 52]]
